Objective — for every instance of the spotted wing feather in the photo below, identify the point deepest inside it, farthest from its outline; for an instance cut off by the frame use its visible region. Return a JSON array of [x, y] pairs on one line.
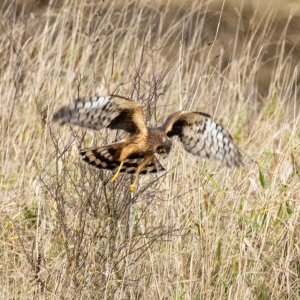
[[202, 136], [114, 112], [106, 158]]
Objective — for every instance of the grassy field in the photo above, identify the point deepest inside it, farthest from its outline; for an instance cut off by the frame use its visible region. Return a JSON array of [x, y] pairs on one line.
[[199, 231]]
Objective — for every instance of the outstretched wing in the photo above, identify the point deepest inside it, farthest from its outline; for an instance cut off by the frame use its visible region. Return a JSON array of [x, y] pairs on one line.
[[202, 136], [106, 157], [114, 112]]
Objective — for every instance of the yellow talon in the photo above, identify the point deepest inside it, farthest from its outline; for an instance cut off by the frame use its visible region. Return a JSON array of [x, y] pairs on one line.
[[132, 187], [118, 172]]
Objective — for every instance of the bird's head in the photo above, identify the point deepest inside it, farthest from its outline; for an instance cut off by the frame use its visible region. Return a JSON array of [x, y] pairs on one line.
[[164, 147]]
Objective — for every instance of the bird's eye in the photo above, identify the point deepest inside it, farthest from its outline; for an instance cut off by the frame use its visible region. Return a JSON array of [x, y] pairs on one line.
[[160, 150]]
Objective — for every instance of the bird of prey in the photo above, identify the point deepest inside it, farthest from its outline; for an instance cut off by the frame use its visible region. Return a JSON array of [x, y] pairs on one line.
[[136, 154]]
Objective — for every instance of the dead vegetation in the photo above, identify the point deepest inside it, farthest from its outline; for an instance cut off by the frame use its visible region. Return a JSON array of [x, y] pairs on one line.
[[197, 232]]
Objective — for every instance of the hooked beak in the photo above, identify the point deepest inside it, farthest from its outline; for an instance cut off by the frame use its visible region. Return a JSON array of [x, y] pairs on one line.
[[167, 150]]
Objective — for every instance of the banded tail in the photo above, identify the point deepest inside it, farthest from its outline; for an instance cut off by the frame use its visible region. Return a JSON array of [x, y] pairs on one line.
[[107, 158]]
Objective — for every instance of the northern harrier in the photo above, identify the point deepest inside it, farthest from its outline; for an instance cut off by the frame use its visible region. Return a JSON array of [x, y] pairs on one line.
[[197, 131]]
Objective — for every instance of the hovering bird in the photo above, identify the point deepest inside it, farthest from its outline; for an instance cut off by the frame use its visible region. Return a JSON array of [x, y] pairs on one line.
[[136, 153]]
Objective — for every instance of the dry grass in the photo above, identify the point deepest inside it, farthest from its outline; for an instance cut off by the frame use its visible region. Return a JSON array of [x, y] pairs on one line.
[[200, 231]]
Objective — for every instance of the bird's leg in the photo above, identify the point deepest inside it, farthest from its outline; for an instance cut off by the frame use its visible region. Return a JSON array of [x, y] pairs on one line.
[[125, 152], [140, 167], [118, 172]]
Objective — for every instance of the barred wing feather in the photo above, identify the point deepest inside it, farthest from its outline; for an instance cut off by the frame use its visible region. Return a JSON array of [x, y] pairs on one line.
[[202, 136], [114, 112]]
